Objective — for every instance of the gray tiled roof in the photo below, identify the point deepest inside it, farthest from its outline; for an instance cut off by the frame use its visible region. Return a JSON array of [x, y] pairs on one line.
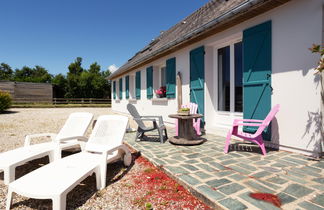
[[178, 33]]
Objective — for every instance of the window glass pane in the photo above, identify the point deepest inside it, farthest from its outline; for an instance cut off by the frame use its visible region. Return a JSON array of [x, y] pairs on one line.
[[238, 77], [224, 79], [163, 76]]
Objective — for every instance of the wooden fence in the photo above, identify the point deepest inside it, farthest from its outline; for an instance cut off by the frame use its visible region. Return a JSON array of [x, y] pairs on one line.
[[81, 101]]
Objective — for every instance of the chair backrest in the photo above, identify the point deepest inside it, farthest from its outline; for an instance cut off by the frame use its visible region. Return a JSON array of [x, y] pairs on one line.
[[192, 106], [76, 125], [268, 118], [133, 111], [108, 133]]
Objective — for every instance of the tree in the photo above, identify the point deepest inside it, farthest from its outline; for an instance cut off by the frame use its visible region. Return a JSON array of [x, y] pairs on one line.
[[73, 89], [59, 85], [6, 72], [37, 74]]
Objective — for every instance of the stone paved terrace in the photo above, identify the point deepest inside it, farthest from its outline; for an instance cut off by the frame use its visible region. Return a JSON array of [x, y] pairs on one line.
[[225, 180]]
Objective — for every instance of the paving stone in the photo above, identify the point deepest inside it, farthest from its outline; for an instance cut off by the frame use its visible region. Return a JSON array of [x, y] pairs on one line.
[[319, 180], [239, 169], [299, 162], [294, 179], [189, 167], [258, 203], [181, 158], [232, 204], [159, 162], [319, 199], [254, 159], [319, 165], [237, 177], [297, 190], [309, 206], [218, 182], [319, 187], [210, 193], [192, 161], [228, 162], [277, 180], [261, 174], [195, 155], [176, 170], [262, 162], [231, 188], [268, 184], [225, 157], [207, 159], [285, 198], [206, 167], [234, 154], [202, 175], [288, 163], [217, 165], [279, 165], [307, 171], [270, 169], [258, 187], [189, 179], [223, 173], [293, 173], [248, 167]]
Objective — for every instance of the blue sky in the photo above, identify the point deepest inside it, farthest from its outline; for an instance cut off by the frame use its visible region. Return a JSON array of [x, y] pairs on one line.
[[52, 33]]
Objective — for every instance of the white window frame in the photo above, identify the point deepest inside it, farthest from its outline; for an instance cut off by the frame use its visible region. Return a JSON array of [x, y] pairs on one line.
[[229, 42]]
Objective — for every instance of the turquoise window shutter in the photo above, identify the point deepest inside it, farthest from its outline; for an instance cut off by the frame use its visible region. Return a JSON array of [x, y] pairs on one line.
[[170, 77], [257, 73], [138, 85], [127, 87], [114, 89], [120, 88], [149, 82]]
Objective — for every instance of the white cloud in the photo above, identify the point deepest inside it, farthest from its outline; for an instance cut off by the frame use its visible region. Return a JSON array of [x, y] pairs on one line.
[[113, 68]]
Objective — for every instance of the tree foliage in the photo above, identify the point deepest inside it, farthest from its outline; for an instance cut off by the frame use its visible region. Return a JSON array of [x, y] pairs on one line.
[[78, 83]]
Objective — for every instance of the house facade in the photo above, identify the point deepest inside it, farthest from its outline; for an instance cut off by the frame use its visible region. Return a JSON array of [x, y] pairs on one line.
[[236, 59]]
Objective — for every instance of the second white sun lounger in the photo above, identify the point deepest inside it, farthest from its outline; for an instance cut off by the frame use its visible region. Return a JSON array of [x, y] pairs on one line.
[[73, 130], [55, 180]]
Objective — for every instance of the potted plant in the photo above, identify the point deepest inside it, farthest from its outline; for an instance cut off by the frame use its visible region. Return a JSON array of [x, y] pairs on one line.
[[161, 92], [184, 111]]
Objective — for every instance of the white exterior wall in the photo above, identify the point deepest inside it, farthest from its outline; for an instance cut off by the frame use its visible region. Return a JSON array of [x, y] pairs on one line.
[[296, 25]]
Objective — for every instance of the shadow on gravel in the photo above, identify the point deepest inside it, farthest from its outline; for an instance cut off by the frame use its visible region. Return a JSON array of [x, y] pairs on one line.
[[85, 190], [9, 112]]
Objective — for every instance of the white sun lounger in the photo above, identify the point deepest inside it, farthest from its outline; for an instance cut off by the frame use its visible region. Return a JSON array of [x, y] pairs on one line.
[[55, 180], [73, 130]]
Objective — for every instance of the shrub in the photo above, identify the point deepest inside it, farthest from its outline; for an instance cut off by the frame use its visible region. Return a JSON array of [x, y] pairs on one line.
[[5, 101]]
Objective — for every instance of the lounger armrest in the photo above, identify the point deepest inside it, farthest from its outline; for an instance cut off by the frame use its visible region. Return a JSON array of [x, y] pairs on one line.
[[123, 147], [82, 138], [29, 137]]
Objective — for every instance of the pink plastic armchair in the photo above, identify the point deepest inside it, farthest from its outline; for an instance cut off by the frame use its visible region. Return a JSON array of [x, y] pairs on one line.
[[257, 136], [196, 122]]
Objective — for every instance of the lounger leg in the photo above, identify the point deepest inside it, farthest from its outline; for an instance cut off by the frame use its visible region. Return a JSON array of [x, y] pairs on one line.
[[137, 135], [127, 159], [51, 156], [59, 202], [9, 174], [9, 199], [228, 141], [103, 172], [166, 134], [98, 179]]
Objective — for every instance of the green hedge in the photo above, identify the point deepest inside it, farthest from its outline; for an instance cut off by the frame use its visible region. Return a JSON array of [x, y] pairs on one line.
[[5, 101]]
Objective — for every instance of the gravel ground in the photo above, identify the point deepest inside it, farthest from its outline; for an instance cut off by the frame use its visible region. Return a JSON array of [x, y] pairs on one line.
[[17, 123]]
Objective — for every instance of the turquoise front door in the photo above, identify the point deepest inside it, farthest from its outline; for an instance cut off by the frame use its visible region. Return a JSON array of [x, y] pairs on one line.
[[197, 79], [257, 88]]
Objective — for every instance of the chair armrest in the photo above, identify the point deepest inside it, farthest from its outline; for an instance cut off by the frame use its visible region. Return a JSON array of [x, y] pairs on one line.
[[159, 117], [248, 124], [82, 138], [29, 137], [247, 120], [148, 119]]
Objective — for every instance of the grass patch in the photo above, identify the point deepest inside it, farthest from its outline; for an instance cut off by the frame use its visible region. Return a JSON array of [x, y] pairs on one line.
[[48, 105]]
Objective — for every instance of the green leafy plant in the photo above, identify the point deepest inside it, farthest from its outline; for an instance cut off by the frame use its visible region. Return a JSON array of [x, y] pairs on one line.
[[5, 101], [318, 49], [184, 109], [148, 206]]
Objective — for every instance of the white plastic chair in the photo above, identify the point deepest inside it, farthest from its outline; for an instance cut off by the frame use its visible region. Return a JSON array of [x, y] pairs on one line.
[[73, 130], [55, 180]]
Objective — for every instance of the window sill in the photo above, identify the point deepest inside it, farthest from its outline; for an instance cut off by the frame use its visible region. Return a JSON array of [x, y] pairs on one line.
[[132, 101], [159, 99]]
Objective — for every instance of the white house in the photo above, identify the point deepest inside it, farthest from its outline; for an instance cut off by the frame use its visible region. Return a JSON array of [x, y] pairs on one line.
[[237, 58]]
